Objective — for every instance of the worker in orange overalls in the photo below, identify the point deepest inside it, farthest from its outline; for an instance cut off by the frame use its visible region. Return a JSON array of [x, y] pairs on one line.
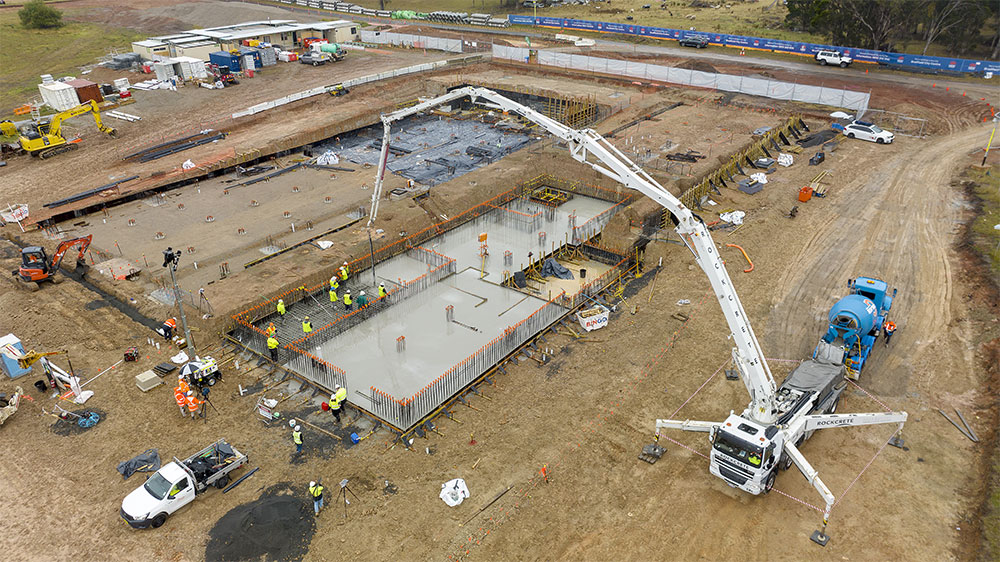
[[169, 325], [271, 329], [890, 328], [195, 405], [182, 383], [181, 397]]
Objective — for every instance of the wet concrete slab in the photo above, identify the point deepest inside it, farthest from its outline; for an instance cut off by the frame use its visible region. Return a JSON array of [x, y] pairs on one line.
[[483, 308]]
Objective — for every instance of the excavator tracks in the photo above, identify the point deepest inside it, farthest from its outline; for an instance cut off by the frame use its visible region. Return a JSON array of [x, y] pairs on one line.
[[50, 152]]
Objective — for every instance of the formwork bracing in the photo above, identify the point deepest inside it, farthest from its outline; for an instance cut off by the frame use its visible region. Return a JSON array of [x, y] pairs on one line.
[[453, 315]]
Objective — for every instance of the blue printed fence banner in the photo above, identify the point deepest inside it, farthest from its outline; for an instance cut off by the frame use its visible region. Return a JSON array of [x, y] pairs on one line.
[[921, 62]]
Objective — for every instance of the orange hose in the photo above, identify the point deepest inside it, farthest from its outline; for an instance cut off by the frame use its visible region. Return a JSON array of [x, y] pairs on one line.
[[744, 255]]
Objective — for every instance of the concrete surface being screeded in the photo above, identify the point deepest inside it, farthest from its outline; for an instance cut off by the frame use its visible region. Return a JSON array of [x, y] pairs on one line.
[[368, 354]]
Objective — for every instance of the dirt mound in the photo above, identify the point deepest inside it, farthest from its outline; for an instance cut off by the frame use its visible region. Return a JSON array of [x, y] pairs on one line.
[[279, 525]]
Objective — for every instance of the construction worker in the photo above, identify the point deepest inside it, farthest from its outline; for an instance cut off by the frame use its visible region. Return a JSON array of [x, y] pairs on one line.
[[271, 329], [169, 325], [362, 300], [272, 347], [281, 308], [297, 439], [182, 383], [347, 301], [316, 491], [195, 405], [337, 400], [334, 284], [181, 397], [333, 295], [347, 268], [343, 272], [890, 328], [381, 290], [306, 325]]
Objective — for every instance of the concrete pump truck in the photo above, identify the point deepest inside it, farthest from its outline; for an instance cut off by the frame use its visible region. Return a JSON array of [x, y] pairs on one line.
[[747, 448]]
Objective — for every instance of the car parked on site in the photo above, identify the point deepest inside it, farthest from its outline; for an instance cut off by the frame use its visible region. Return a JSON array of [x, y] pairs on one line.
[[834, 57], [868, 131], [696, 41], [314, 59]]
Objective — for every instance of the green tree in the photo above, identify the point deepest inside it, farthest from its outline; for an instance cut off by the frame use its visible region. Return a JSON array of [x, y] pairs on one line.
[[36, 15]]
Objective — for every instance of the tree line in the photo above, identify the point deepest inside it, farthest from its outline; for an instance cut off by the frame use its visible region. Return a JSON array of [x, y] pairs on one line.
[[962, 27]]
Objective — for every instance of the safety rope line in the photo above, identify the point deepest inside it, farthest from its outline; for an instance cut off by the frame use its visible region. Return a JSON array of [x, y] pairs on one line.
[[858, 477], [791, 497], [678, 443], [708, 380], [783, 360], [870, 395]]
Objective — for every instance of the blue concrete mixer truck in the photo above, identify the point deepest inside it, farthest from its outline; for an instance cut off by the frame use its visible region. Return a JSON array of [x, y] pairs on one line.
[[856, 323]]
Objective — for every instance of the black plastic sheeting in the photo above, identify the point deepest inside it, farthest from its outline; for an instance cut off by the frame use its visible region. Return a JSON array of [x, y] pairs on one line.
[[552, 268], [148, 461]]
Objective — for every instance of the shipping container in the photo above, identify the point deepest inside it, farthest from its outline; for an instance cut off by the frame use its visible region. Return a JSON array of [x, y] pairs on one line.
[[59, 96], [225, 58], [166, 69], [86, 90], [191, 68]]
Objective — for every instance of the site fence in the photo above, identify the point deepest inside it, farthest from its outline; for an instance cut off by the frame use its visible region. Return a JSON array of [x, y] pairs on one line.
[[774, 89], [413, 41], [898, 123], [403, 413]]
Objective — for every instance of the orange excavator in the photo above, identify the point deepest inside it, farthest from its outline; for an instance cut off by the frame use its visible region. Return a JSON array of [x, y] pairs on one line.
[[37, 267]]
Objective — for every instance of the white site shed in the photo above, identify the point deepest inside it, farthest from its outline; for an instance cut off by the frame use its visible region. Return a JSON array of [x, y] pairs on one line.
[[58, 95]]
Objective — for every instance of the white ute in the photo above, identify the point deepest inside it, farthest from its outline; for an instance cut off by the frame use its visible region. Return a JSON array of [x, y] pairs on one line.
[[833, 57], [177, 483]]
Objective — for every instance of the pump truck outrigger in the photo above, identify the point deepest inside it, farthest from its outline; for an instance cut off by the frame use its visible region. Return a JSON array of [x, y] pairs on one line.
[[771, 427]]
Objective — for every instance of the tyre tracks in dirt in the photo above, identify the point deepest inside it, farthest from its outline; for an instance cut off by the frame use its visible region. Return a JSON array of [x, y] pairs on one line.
[[897, 225]]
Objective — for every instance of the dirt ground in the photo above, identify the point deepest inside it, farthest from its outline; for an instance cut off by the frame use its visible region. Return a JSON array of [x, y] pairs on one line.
[[891, 213]]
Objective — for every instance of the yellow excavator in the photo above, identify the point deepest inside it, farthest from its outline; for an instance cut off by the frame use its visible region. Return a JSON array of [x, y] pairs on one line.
[[44, 139]]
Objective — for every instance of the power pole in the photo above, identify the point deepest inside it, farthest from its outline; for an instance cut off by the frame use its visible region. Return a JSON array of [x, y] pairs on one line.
[[170, 259]]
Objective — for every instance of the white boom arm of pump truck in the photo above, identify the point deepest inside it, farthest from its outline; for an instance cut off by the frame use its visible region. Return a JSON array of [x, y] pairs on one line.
[[612, 163]]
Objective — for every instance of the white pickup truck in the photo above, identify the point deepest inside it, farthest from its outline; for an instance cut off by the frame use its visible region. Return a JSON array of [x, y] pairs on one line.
[[834, 57], [177, 483]]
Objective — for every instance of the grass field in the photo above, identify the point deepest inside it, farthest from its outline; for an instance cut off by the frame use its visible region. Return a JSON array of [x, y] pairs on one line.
[[986, 236], [27, 53], [754, 18]]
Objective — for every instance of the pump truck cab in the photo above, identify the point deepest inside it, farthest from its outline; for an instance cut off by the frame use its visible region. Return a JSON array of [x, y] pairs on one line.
[[178, 483]]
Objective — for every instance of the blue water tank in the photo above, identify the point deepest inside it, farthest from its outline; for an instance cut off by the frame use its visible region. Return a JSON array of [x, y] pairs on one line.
[[853, 315]]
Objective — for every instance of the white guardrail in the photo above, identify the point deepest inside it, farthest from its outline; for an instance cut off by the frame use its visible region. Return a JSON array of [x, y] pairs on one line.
[[254, 109]]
